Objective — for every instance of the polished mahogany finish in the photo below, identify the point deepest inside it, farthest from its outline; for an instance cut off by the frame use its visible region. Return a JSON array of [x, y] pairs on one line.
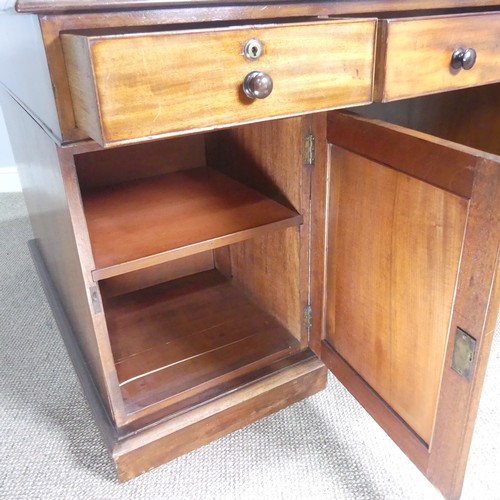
[[207, 262]]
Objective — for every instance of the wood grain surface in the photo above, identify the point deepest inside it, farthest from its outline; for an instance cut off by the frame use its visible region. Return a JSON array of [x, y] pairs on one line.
[[130, 87], [55, 24], [300, 377], [105, 167], [396, 243], [475, 310], [276, 6], [179, 338], [272, 268], [49, 181], [467, 116], [145, 222], [414, 54], [160, 273], [410, 253], [475, 297]]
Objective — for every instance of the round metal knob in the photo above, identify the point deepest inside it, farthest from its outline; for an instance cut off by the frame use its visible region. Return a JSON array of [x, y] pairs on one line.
[[257, 85], [463, 58]]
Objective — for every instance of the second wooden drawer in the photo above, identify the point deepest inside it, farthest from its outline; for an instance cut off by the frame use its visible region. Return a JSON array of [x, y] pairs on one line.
[[129, 87], [415, 54]]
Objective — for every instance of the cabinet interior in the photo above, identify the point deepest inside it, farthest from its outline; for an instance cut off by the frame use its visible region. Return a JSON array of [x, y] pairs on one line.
[[465, 117], [200, 258]]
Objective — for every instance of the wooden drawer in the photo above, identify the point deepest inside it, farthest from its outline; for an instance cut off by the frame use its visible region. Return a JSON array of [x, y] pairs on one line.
[[128, 87], [415, 54]]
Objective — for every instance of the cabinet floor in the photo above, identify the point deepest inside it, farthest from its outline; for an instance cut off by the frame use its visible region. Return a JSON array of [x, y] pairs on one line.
[[184, 336]]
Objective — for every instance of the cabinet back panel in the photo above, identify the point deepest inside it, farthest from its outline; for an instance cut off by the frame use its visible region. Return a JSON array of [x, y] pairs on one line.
[[268, 269], [468, 117], [261, 157], [150, 276], [111, 166], [395, 249], [271, 268]]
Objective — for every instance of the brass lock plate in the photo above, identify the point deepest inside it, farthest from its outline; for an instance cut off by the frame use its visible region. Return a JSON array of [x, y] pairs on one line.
[[252, 49], [463, 353]]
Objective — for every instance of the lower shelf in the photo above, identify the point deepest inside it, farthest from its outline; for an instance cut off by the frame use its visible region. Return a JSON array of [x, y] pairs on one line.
[[178, 339], [268, 390]]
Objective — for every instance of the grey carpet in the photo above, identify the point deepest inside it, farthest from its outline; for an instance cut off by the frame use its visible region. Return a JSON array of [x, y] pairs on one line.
[[323, 447]]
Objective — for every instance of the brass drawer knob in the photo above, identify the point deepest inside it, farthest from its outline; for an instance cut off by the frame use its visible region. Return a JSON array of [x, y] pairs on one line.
[[257, 85], [463, 58]]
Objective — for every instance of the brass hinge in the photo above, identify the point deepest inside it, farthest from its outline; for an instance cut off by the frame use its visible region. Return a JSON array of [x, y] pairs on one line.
[[309, 149], [308, 316], [94, 297]]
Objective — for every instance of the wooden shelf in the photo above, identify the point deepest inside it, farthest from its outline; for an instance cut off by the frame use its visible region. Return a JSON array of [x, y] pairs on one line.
[[178, 339], [145, 222]]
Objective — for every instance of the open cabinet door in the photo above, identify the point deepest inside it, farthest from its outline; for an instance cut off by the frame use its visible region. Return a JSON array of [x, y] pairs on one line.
[[410, 295]]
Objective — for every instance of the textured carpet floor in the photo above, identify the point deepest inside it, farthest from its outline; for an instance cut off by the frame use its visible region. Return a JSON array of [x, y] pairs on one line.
[[326, 447]]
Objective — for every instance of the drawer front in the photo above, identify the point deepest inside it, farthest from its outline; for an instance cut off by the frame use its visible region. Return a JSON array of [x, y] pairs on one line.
[[415, 55], [130, 87]]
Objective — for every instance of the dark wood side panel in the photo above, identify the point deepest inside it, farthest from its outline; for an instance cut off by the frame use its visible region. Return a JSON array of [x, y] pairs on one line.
[[24, 70], [92, 395], [51, 194], [475, 311]]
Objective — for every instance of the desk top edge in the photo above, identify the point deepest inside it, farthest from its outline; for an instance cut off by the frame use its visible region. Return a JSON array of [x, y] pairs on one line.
[[338, 7]]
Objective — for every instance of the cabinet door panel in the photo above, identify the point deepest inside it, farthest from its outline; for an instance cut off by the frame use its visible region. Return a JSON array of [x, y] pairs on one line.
[[391, 276], [411, 256]]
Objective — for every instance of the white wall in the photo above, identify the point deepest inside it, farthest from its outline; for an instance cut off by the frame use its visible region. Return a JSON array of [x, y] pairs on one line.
[[9, 181]]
